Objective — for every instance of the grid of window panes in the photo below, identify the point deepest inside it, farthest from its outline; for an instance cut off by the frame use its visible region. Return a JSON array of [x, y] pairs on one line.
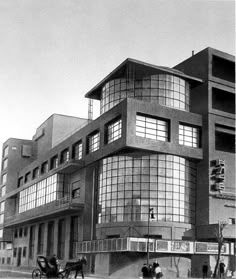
[[39, 193], [77, 151], [188, 136], [93, 142], [129, 186], [114, 131], [51, 188], [164, 89], [151, 128]]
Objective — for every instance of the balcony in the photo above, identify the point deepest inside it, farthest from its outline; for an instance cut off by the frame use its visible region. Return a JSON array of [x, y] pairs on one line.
[[59, 207], [70, 166]]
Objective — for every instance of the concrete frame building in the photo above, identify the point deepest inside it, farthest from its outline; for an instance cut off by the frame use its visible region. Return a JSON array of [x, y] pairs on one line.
[[150, 179]]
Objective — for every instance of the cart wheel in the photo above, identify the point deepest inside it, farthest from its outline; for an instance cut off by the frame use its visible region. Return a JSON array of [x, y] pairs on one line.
[[36, 273]]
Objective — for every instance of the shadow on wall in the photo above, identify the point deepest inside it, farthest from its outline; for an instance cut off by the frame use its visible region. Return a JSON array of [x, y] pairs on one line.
[[128, 265]]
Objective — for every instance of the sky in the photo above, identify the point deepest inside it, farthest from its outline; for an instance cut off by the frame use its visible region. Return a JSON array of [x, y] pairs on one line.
[[52, 52]]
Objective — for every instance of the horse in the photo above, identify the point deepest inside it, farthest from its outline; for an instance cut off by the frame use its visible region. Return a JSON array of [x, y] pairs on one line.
[[75, 266]]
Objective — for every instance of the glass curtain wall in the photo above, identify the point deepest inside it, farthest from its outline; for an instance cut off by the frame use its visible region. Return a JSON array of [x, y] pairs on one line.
[[164, 89], [130, 185]]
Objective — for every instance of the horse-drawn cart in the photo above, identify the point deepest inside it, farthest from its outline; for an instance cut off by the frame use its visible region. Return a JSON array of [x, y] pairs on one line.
[[44, 269]]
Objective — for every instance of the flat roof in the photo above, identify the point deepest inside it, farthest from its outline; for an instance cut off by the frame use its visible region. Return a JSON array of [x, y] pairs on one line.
[[140, 66]]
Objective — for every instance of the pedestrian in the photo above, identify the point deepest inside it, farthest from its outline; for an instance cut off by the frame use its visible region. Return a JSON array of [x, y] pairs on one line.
[[204, 270], [158, 271], [150, 271], [154, 265], [222, 270], [145, 271], [54, 265]]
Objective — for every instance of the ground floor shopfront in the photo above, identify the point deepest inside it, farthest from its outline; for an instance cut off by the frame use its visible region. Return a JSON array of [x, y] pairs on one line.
[[124, 257]]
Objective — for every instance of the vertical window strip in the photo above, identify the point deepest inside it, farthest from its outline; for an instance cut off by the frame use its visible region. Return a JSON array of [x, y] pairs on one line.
[[188, 136], [94, 142], [114, 131], [78, 151]]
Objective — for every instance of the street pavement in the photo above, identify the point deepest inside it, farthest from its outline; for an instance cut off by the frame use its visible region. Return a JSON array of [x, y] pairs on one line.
[[16, 274]]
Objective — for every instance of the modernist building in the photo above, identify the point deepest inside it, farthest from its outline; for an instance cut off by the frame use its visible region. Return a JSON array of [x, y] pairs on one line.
[[151, 177]]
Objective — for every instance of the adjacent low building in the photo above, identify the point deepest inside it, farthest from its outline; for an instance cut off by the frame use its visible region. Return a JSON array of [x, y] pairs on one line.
[[152, 178]]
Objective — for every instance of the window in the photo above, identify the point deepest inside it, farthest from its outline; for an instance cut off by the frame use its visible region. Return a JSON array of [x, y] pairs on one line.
[[5, 151], [129, 185], [65, 156], [31, 242], [26, 151], [114, 130], [231, 221], [77, 150], [3, 191], [54, 162], [188, 136], [27, 177], [20, 182], [50, 238], [73, 236], [51, 188], [224, 138], [40, 238], [4, 178], [61, 239], [93, 142], [25, 231], [3, 260], [75, 193], [223, 68], [35, 173], [38, 194], [2, 208], [1, 218], [1, 233], [164, 89], [76, 189], [24, 252], [44, 168], [16, 233], [14, 252], [152, 128], [4, 164], [223, 100], [20, 232], [8, 260]]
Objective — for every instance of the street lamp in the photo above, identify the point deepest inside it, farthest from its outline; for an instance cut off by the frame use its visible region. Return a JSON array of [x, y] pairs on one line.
[[150, 217]]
